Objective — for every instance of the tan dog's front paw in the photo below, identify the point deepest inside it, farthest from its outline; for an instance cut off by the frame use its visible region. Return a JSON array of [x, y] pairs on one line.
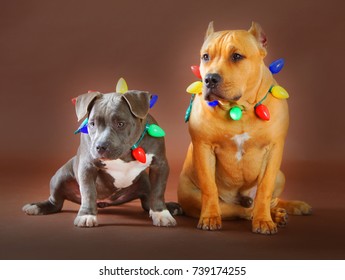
[[264, 227], [86, 221], [210, 223]]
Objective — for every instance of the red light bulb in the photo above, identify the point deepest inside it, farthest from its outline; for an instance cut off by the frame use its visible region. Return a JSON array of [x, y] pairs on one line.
[[196, 71], [262, 112], [139, 154], [74, 100]]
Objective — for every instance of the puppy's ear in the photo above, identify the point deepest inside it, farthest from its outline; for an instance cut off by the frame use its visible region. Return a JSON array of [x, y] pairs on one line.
[[210, 30], [138, 102], [259, 34], [84, 103]]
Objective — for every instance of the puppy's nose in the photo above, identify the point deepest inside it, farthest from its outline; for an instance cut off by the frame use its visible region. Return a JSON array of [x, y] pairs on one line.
[[102, 147], [212, 80]]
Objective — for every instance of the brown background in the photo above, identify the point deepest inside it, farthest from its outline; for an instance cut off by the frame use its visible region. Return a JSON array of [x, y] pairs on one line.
[[51, 51]]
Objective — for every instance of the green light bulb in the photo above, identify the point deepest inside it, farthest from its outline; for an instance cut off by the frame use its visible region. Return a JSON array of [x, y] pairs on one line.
[[235, 113], [155, 131]]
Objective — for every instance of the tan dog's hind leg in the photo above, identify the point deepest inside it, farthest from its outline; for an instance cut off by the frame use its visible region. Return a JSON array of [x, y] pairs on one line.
[[279, 216], [293, 207], [189, 197]]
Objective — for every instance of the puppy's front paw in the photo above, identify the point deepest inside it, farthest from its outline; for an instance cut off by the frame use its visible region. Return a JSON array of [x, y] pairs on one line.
[[86, 221], [162, 218], [210, 223], [264, 227]]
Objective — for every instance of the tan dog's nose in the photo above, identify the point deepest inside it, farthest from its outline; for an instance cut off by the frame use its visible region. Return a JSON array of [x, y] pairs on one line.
[[212, 80]]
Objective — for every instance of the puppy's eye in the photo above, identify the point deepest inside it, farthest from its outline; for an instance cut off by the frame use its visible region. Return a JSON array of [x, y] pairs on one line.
[[205, 57], [120, 124], [91, 124], [236, 57]]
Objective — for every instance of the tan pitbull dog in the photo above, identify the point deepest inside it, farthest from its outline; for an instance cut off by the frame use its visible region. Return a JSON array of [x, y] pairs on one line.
[[232, 168]]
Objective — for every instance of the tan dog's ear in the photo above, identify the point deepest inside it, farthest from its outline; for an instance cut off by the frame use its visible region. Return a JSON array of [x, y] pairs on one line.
[[210, 30], [84, 103], [138, 102], [259, 34]]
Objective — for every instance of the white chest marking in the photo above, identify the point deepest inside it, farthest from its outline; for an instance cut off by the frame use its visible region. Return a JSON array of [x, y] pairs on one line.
[[123, 172], [239, 141]]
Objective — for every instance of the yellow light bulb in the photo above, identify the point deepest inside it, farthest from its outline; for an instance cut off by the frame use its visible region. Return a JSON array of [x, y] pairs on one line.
[[195, 88], [279, 92], [121, 86]]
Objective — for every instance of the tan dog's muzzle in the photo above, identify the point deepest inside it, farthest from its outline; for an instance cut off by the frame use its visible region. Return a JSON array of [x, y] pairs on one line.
[[212, 80]]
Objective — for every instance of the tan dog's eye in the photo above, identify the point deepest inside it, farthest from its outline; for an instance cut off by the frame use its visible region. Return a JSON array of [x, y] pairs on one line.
[[236, 57], [205, 57]]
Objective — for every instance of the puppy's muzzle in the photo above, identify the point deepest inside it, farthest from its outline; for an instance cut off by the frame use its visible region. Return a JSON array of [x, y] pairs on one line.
[[102, 148], [212, 80], [107, 150]]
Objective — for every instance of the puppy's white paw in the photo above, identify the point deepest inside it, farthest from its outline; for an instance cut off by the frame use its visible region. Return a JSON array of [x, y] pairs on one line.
[[31, 209], [86, 221], [162, 218]]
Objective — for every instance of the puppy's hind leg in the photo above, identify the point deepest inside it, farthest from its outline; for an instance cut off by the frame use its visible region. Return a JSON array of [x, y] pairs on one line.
[[58, 190], [144, 191]]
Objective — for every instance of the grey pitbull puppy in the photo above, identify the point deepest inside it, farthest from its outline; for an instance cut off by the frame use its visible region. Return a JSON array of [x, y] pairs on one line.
[[104, 172]]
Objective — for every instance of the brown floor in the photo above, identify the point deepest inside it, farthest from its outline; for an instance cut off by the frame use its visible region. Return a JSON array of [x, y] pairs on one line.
[[126, 232]]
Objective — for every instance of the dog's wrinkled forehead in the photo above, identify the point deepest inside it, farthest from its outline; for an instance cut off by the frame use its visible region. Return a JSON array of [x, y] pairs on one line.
[[224, 42], [136, 101], [109, 104], [110, 100], [246, 43], [132, 102]]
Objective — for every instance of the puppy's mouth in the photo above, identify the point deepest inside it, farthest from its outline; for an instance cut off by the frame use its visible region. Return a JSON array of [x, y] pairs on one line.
[[106, 155]]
